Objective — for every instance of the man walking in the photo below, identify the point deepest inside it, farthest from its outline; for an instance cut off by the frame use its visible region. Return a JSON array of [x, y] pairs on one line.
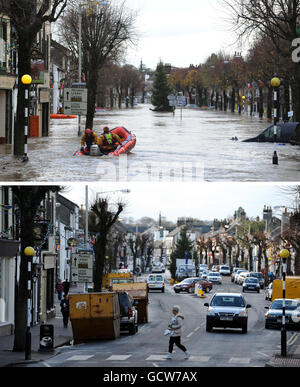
[[176, 331], [64, 305]]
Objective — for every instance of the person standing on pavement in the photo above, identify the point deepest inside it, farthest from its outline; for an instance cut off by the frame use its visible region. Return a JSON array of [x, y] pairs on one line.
[[59, 289], [176, 331], [66, 285], [65, 310]]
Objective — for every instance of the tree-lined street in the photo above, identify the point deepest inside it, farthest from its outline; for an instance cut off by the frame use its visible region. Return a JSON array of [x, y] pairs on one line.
[[148, 347]]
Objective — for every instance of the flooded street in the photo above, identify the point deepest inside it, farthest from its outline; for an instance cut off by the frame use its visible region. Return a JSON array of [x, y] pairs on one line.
[[196, 148]]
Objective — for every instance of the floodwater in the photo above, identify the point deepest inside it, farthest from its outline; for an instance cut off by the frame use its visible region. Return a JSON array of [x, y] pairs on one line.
[[197, 147]]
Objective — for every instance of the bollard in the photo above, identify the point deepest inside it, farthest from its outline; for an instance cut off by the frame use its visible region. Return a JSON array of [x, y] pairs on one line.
[[275, 159]]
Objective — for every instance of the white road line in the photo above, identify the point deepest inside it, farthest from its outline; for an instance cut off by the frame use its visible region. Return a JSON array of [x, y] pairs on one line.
[[191, 334], [119, 357], [155, 365], [239, 360], [46, 364], [293, 339], [156, 358], [263, 354], [79, 358]]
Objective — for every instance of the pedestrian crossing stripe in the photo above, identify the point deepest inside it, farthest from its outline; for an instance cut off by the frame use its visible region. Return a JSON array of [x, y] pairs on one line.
[[119, 357], [80, 357]]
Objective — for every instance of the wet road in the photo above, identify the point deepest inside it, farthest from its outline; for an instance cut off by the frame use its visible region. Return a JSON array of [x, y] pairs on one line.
[[196, 148]]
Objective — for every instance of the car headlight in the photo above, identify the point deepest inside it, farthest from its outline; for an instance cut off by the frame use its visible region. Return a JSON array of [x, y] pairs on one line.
[[243, 314], [210, 312]]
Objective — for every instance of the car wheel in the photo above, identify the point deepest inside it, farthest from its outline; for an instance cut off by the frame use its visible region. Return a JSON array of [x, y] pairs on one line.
[[258, 291], [136, 328], [163, 290], [191, 290], [243, 290], [245, 328], [132, 330], [208, 289], [267, 326], [208, 327], [177, 291]]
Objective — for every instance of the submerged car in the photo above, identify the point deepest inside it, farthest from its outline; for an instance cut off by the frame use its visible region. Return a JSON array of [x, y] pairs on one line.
[[273, 318], [285, 133]]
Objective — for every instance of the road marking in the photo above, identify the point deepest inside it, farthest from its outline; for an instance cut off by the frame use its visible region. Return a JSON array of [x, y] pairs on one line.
[[155, 365], [293, 339], [263, 354], [191, 334], [119, 357], [197, 329], [239, 360], [200, 359], [46, 364], [79, 358], [156, 358]]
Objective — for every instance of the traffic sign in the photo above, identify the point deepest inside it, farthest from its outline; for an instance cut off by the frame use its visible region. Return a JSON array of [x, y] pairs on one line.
[[82, 268], [75, 101]]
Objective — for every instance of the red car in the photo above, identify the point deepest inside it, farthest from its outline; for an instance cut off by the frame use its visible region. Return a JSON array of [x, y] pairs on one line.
[[188, 285]]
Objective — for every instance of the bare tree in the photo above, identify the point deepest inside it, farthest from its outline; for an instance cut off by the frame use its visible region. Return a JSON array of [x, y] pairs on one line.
[[278, 20], [101, 221], [106, 33], [28, 18]]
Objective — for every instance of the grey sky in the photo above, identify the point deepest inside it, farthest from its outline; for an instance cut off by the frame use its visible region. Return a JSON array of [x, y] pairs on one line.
[[178, 32], [205, 201]]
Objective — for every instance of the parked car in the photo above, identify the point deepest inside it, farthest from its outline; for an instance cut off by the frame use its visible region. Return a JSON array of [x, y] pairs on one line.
[[207, 286], [187, 285], [260, 278], [129, 314], [203, 267], [214, 269], [215, 278], [269, 292], [273, 318], [227, 310], [156, 282], [225, 270], [204, 274], [239, 271], [241, 277], [251, 284], [158, 268], [234, 270]]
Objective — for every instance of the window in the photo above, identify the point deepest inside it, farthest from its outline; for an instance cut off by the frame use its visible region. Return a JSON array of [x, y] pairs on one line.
[[3, 44]]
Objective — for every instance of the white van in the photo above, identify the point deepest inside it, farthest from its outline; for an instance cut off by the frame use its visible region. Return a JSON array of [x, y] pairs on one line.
[[156, 282]]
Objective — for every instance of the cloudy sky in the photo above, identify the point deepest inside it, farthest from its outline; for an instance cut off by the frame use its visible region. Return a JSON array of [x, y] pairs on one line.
[[180, 32], [205, 201]]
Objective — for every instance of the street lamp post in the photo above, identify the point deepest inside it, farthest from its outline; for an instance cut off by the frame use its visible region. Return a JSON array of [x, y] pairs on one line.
[[275, 83], [284, 255], [26, 80], [29, 253]]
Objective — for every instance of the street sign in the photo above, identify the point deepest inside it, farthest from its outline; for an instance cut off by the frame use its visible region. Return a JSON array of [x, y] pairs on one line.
[[75, 101], [82, 268]]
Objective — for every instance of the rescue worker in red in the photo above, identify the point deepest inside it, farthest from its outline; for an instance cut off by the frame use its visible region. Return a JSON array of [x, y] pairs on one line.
[[88, 139], [108, 142]]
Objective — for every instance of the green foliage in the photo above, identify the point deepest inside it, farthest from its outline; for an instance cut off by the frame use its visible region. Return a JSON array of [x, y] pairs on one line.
[[161, 89]]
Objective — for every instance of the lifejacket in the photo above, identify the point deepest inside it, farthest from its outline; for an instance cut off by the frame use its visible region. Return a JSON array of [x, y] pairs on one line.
[[108, 139]]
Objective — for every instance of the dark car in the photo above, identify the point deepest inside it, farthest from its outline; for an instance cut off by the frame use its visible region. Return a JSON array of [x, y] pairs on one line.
[[260, 278], [251, 284], [273, 318], [188, 285], [227, 310], [285, 133], [129, 314]]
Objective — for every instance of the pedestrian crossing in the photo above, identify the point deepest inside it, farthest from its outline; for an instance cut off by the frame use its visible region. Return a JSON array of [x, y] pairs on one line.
[[150, 359]]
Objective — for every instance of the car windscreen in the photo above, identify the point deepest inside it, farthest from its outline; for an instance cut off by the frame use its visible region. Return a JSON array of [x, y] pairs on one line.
[[251, 280], [256, 275], [188, 281], [124, 304], [228, 301], [224, 268], [289, 304], [159, 278]]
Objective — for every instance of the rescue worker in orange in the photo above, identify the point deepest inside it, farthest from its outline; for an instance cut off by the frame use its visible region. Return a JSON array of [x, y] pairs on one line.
[[88, 138], [108, 142]]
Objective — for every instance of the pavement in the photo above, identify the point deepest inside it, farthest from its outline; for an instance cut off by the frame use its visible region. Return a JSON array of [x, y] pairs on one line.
[[62, 336]]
